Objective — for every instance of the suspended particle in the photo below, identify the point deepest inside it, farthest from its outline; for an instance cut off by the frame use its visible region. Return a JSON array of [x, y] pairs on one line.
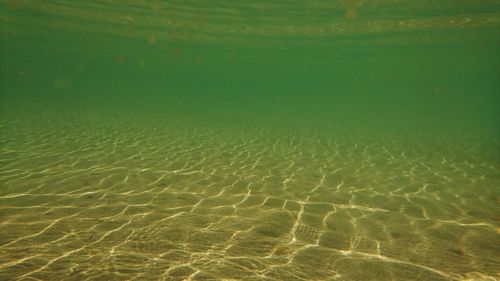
[[151, 39]]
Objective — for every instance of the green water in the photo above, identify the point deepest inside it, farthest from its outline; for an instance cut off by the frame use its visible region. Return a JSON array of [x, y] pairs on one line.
[[250, 140]]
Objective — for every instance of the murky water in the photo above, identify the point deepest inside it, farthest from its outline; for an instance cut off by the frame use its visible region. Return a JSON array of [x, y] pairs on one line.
[[250, 140]]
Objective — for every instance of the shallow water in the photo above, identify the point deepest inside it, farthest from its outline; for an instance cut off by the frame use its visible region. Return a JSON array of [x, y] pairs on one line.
[[272, 140]]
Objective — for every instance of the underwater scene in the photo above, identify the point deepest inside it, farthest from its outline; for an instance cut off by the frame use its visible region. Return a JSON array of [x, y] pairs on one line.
[[250, 140]]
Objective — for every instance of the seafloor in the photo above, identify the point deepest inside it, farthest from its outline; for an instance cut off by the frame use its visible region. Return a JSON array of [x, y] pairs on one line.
[[91, 197]]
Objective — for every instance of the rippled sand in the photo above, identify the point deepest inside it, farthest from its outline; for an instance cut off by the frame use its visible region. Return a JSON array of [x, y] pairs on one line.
[[88, 199]]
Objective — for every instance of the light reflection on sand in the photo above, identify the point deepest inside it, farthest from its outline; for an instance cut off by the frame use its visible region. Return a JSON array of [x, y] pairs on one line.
[[95, 200]]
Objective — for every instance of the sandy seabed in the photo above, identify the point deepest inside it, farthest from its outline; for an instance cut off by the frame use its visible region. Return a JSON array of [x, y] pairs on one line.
[[86, 199]]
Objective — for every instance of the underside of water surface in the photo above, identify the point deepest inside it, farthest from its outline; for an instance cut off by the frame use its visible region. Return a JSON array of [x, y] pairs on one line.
[[250, 140]]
